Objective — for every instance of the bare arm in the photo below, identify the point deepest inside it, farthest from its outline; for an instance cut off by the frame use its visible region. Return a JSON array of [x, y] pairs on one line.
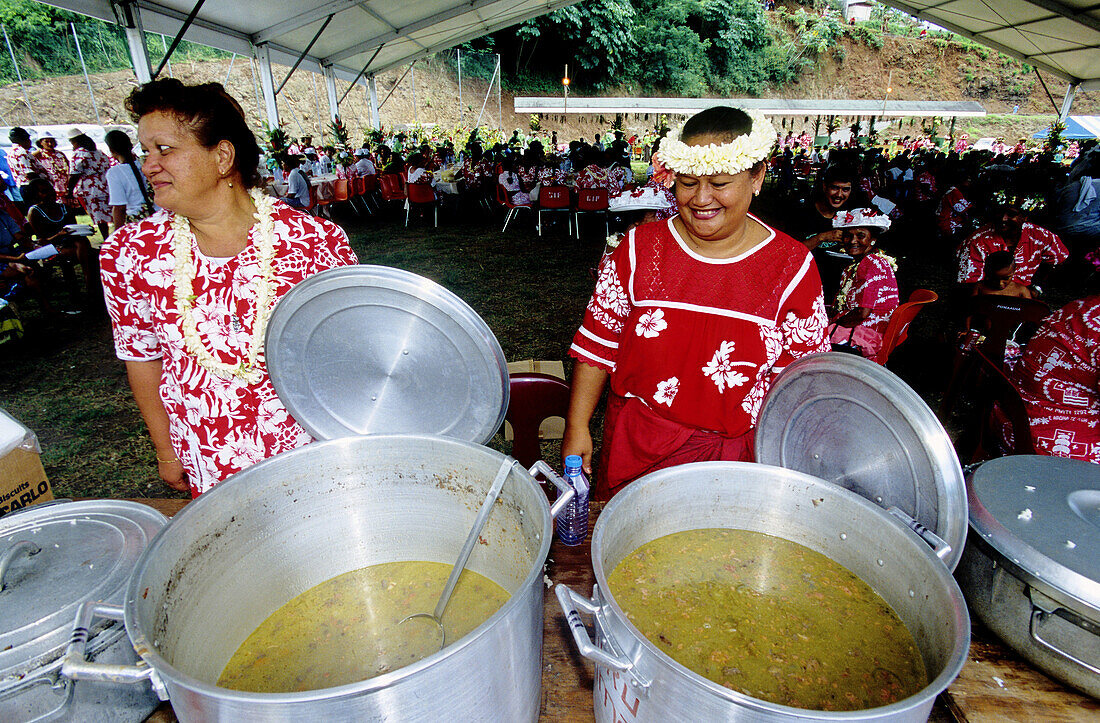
[[817, 239], [145, 383], [584, 395], [118, 216]]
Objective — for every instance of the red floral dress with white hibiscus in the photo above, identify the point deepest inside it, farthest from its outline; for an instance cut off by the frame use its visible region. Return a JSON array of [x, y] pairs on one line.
[[218, 426], [1059, 380], [1036, 246], [692, 344], [593, 177], [91, 189], [57, 168], [952, 212], [21, 162], [869, 284]]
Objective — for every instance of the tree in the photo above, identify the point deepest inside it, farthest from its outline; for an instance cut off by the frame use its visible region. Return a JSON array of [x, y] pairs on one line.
[[597, 38]]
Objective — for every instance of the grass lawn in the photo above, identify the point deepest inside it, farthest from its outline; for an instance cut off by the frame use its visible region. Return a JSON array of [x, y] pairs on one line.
[[63, 381]]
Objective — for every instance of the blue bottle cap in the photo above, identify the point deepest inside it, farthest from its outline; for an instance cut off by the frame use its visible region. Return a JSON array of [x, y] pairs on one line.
[[573, 460]]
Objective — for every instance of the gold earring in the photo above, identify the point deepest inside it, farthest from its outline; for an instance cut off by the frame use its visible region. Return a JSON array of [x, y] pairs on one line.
[[231, 184]]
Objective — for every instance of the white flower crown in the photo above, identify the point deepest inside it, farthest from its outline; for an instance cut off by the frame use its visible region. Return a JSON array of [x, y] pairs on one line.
[[731, 158]]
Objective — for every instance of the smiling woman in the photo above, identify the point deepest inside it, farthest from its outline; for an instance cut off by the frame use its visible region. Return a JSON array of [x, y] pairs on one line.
[[693, 317], [190, 289]]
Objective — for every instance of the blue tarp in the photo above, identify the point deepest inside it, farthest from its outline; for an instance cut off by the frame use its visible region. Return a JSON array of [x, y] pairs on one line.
[[1078, 128]]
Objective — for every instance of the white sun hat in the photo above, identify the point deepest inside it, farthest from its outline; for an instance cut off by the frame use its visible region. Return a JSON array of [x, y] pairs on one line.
[[868, 217]]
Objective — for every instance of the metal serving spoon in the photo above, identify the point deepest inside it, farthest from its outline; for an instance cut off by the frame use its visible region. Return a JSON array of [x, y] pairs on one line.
[[479, 523]]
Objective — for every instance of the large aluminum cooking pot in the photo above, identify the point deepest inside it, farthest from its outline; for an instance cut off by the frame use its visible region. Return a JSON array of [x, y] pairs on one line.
[[54, 557], [239, 552], [635, 681], [1031, 571]]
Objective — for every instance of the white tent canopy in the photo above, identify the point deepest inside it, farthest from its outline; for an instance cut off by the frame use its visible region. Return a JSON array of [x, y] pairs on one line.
[[1059, 36], [359, 39]]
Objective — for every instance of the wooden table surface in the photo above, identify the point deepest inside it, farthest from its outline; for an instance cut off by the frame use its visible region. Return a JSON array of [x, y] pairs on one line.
[[994, 685]]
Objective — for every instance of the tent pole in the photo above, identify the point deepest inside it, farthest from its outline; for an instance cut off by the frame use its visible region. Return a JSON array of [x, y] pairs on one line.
[[1068, 102], [80, 53], [267, 85], [135, 40], [412, 82], [18, 74], [230, 71], [330, 88], [461, 113], [372, 91], [317, 108], [179, 36], [500, 114]]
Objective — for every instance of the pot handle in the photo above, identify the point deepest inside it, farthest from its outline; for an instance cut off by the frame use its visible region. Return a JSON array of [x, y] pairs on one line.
[[565, 489], [9, 555], [1038, 615], [569, 602], [937, 543], [76, 666]]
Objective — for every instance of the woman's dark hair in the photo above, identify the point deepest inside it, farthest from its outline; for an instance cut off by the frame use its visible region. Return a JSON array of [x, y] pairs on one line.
[[83, 141], [209, 112], [120, 144], [722, 122]]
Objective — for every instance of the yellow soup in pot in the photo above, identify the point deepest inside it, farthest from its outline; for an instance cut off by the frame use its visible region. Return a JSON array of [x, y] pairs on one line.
[[348, 629], [769, 618]]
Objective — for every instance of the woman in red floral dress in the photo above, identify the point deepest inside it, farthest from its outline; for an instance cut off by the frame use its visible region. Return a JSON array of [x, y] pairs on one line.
[[1059, 380], [868, 288], [693, 317], [190, 289], [56, 165], [88, 180]]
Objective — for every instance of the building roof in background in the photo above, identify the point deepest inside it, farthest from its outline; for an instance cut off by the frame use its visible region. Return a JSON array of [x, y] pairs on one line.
[[550, 105]]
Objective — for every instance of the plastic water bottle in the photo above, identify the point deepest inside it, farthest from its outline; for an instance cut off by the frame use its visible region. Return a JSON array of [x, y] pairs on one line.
[[572, 522]]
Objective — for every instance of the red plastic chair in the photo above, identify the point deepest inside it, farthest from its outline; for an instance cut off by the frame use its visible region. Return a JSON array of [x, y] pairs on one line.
[[533, 397], [392, 187], [341, 193], [314, 207], [555, 199], [422, 195], [897, 329], [370, 189], [359, 190], [590, 200], [505, 199]]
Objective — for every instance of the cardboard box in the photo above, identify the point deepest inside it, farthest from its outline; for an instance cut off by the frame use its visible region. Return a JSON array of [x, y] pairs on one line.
[[23, 480], [551, 427]]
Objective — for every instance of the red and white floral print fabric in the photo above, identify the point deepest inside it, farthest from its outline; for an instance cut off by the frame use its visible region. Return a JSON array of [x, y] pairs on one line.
[[1059, 380], [1036, 246], [699, 340], [91, 190], [218, 426], [21, 162]]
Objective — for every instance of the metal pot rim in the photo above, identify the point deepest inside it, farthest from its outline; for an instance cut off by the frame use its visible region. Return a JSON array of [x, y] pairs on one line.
[[931, 690], [151, 656]]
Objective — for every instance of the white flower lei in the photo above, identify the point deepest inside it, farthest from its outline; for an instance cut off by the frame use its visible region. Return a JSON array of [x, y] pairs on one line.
[[731, 158], [183, 277]]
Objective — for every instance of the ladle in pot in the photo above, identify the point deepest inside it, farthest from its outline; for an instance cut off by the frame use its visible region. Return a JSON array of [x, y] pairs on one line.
[[479, 523]]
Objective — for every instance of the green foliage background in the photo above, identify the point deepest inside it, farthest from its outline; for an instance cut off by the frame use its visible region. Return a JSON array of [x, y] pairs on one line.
[[43, 43]]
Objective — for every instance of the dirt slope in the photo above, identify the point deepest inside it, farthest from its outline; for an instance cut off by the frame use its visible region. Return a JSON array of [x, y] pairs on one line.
[[921, 71]]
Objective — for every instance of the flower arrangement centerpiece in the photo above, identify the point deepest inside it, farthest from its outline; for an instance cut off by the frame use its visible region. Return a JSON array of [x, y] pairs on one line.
[[343, 157], [375, 136], [339, 131], [277, 139]]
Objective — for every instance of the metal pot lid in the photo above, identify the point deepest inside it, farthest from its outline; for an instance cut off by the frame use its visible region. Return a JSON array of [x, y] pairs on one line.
[[75, 551], [371, 349], [1043, 514], [847, 420]]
